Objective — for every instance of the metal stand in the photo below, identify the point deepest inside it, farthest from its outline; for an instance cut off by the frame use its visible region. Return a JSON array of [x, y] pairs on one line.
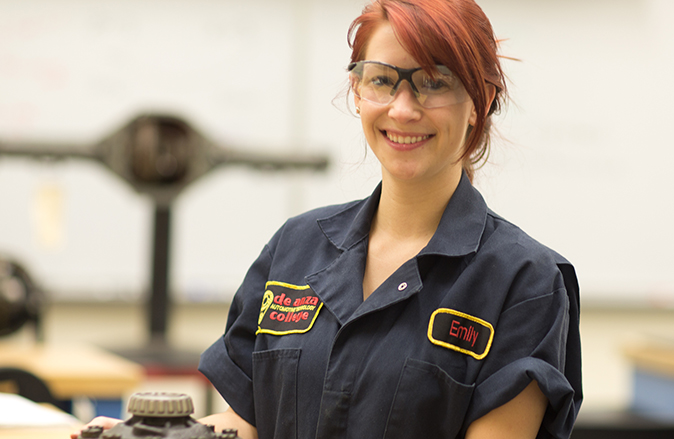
[[159, 155], [158, 309]]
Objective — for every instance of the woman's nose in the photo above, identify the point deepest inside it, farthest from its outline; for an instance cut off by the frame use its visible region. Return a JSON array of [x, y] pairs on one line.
[[405, 106]]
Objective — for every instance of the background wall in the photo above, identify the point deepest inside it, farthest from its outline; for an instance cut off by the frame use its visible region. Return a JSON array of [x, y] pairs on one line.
[[583, 165]]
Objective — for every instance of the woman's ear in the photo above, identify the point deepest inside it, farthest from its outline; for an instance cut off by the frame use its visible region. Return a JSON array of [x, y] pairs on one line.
[[491, 94], [356, 101], [356, 98], [472, 120]]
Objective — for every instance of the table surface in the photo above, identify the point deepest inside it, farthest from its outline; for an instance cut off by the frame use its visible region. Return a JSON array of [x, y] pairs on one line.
[[75, 370], [656, 358]]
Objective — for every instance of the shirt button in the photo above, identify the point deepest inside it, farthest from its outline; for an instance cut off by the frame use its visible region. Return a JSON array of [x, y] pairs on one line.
[[402, 286]]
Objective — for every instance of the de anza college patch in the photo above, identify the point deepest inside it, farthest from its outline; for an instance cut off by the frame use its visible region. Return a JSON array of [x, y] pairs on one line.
[[287, 309]]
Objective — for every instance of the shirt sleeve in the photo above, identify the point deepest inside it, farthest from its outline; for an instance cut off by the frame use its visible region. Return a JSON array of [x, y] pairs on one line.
[[228, 362], [536, 339]]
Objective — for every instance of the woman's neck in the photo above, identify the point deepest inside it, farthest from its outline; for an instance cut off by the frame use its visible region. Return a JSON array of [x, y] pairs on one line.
[[412, 210], [404, 223]]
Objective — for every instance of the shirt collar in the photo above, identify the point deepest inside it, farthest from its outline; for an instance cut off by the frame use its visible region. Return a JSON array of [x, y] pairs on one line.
[[462, 224], [458, 233]]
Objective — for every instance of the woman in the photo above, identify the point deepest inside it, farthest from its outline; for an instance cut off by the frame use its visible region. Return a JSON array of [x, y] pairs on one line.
[[433, 316], [416, 312]]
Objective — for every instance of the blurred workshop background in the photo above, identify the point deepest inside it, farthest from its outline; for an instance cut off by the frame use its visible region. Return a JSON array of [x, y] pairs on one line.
[[582, 161]]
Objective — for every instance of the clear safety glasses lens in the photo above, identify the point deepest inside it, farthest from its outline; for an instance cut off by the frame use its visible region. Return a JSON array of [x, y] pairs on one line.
[[378, 82]]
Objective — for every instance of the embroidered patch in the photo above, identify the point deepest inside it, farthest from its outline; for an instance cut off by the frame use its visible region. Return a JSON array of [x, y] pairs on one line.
[[460, 332], [287, 309]]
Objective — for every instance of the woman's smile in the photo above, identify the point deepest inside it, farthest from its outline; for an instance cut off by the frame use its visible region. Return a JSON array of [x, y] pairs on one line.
[[405, 141]]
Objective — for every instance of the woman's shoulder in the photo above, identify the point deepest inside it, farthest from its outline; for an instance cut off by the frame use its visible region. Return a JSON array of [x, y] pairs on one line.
[[311, 225], [531, 268], [324, 213], [502, 234], [311, 221]]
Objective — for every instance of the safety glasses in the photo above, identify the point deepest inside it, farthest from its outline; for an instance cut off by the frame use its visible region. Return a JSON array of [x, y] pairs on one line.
[[378, 82]]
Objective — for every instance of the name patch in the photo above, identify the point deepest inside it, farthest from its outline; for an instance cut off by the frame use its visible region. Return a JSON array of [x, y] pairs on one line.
[[287, 309], [461, 332]]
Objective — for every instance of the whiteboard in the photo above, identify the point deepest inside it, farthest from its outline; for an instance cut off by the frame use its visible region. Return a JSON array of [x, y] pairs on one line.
[[580, 163]]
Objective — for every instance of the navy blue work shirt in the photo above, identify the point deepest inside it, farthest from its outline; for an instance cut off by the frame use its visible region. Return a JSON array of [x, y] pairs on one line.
[[454, 333]]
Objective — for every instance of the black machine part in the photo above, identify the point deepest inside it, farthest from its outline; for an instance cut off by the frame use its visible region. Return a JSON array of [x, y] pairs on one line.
[[20, 300], [157, 416]]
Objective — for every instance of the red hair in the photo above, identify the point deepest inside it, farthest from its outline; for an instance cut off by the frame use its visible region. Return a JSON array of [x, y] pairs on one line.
[[453, 33]]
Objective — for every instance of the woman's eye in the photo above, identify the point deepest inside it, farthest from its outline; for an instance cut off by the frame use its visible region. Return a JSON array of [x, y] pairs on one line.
[[381, 81], [436, 85], [441, 84]]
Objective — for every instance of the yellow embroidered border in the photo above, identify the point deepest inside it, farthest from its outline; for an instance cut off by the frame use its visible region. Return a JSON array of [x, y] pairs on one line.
[[283, 284]]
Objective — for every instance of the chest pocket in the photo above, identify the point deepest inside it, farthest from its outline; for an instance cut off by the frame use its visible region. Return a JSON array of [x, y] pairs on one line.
[[275, 392], [428, 403]]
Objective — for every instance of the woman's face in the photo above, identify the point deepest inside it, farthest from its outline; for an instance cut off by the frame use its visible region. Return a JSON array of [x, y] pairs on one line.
[[412, 143]]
